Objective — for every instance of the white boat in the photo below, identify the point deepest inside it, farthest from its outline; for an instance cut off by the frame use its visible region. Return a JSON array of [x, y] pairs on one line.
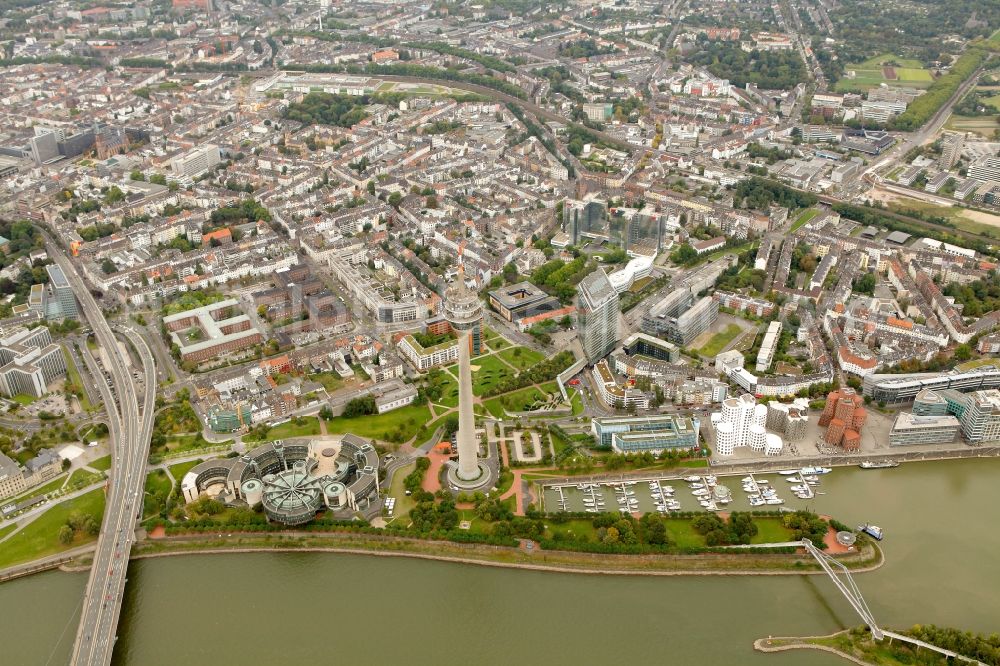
[[705, 503], [884, 464], [756, 501], [793, 479], [788, 472], [592, 510], [747, 479], [811, 477], [816, 470], [774, 500], [704, 492], [697, 486], [799, 488], [692, 479]]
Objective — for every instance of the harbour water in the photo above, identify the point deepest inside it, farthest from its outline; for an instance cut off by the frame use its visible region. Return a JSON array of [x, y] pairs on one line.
[[939, 519]]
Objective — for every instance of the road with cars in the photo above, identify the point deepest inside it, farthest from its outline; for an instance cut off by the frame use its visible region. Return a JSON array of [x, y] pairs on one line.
[[130, 425]]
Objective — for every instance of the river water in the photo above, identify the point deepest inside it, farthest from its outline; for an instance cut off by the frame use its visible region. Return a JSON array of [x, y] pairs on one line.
[[941, 544]]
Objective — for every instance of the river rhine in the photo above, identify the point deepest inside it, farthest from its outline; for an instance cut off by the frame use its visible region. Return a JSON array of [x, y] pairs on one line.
[[940, 520]]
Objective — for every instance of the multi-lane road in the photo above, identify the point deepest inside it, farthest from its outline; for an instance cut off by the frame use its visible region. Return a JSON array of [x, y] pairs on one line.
[[130, 426]]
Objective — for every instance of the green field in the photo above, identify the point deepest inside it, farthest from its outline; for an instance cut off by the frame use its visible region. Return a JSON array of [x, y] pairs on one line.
[[182, 443], [576, 401], [309, 427], [404, 502], [804, 218], [73, 375], [982, 125], [720, 340], [40, 537], [23, 399], [398, 426], [491, 371], [770, 530], [868, 74], [993, 100], [494, 340], [180, 469], [449, 392], [101, 464], [518, 401], [521, 357], [157, 491], [331, 381], [82, 478]]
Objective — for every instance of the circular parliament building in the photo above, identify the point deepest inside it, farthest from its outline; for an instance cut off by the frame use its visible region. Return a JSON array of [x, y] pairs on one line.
[[292, 481]]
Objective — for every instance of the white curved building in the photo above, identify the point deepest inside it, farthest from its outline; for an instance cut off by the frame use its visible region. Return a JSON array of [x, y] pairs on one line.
[[773, 446], [636, 269], [725, 440], [742, 424]]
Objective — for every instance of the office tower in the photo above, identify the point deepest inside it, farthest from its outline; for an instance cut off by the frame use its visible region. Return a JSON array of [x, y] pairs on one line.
[[597, 315]]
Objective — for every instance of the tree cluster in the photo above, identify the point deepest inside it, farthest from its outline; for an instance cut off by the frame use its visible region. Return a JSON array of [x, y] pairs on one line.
[[770, 70]]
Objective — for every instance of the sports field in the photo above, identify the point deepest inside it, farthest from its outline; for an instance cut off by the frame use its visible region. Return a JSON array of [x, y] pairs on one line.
[[887, 69]]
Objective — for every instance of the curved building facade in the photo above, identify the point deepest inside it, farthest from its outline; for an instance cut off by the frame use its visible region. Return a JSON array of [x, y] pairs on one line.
[[292, 482]]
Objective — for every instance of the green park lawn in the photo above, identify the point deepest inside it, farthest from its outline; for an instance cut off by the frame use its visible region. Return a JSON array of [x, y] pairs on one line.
[[331, 381], [157, 491], [180, 469], [683, 534], [449, 390], [718, 341], [398, 426], [40, 537], [770, 530], [576, 401], [428, 429], [491, 371], [81, 478], [305, 426], [521, 357], [494, 340], [804, 218], [102, 464], [404, 502], [309, 427], [518, 401], [73, 375], [23, 399], [182, 443]]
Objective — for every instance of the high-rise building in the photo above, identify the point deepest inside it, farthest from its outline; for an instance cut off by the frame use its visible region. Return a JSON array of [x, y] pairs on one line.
[[584, 219], [951, 149], [64, 300], [597, 315], [196, 162]]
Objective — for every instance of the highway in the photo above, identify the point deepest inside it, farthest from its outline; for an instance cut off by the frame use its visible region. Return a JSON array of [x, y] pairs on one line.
[[130, 425]]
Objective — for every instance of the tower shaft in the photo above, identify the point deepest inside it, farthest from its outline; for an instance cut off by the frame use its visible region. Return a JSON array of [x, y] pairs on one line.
[[468, 465]]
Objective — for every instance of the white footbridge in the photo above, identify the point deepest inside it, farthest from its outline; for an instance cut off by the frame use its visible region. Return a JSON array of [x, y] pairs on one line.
[[841, 577]]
